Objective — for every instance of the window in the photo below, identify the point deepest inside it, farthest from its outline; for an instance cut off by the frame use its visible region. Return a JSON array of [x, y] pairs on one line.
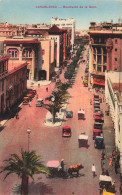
[[99, 68], [13, 53], [94, 66], [27, 53], [115, 59], [115, 49], [99, 59], [104, 59], [104, 68]]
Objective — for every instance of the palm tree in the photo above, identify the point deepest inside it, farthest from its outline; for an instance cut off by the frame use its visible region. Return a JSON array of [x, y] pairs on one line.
[[59, 99], [25, 166]]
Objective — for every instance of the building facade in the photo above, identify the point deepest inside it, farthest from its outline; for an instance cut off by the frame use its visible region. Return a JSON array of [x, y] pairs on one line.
[[105, 52], [24, 50], [65, 23], [113, 95], [3, 79], [13, 83]]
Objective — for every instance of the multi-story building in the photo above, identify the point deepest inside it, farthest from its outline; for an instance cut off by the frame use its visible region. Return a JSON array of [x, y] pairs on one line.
[[40, 58], [65, 23], [16, 83], [57, 34], [3, 78], [21, 50], [105, 51], [13, 82], [9, 30], [113, 95], [48, 60]]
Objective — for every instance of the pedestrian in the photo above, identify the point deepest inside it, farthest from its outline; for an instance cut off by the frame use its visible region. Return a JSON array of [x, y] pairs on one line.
[[93, 170], [62, 165], [46, 89], [110, 161], [36, 96], [116, 167], [17, 116], [73, 193], [103, 155], [29, 103], [114, 153], [90, 101], [120, 189]]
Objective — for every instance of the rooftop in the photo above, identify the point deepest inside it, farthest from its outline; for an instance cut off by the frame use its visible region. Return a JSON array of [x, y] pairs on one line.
[[14, 66]]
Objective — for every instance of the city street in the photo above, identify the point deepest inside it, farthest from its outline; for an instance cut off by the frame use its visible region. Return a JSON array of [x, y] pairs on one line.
[[48, 142]]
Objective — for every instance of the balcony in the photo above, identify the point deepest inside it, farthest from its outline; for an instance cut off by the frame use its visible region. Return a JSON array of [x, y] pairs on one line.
[[3, 74]]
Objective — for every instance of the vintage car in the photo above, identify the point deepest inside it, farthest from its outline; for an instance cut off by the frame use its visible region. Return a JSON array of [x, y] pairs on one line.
[[26, 101], [81, 114], [83, 140], [99, 142], [66, 131], [96, 96], [98, 125], [96, 132], [39, 102], [69, 114], [99, 119], [96, 105]]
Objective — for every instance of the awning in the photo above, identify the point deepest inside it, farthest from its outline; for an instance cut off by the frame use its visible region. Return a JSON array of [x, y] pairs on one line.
[[99, 81]]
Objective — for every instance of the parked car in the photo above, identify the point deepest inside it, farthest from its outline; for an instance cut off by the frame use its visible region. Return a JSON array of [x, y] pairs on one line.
[[39, 102], [99, 142], [69, 114], [98, 125]]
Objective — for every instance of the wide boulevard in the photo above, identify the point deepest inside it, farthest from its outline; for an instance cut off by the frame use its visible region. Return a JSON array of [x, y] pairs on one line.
[[48, 142]]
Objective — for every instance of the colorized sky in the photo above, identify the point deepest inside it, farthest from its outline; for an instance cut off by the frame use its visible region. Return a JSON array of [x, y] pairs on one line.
[[83, 11]]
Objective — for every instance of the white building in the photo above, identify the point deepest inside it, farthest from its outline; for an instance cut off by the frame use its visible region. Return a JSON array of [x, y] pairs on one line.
[[65, 23], [56, 38], [113, 95]]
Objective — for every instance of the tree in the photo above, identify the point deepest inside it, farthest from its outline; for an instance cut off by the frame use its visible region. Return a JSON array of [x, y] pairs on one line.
[[25, 166], [59, 97], [68, 75], [62, 86]]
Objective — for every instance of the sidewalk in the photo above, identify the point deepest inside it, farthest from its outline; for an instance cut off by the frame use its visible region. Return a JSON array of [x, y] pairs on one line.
[[109, 139]]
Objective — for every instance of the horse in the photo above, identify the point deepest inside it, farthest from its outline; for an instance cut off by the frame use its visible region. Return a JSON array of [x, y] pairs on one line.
[[75, 168]]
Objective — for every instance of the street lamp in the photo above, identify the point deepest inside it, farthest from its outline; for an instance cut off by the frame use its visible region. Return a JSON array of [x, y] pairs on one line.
[[52, 100], [28, 132]]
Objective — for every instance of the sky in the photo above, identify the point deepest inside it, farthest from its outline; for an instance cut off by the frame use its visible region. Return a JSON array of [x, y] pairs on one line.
[[83, 11]]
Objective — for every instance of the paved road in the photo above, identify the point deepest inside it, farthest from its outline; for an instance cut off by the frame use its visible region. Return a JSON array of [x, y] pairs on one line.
[[48, 142]]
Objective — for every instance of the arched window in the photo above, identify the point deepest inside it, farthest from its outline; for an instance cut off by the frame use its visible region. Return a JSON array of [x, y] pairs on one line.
[[13, 52], [27, 53]]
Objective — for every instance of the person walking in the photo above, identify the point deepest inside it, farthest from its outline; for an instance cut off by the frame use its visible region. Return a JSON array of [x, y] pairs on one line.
[[110, 161], [29, 103], [93, 170], [62, 165], [46, 89]]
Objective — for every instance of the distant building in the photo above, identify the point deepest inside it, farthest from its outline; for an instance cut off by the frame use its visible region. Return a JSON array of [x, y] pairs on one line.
[[47, 59], [65, 23], [105, 51], [113, 95]]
